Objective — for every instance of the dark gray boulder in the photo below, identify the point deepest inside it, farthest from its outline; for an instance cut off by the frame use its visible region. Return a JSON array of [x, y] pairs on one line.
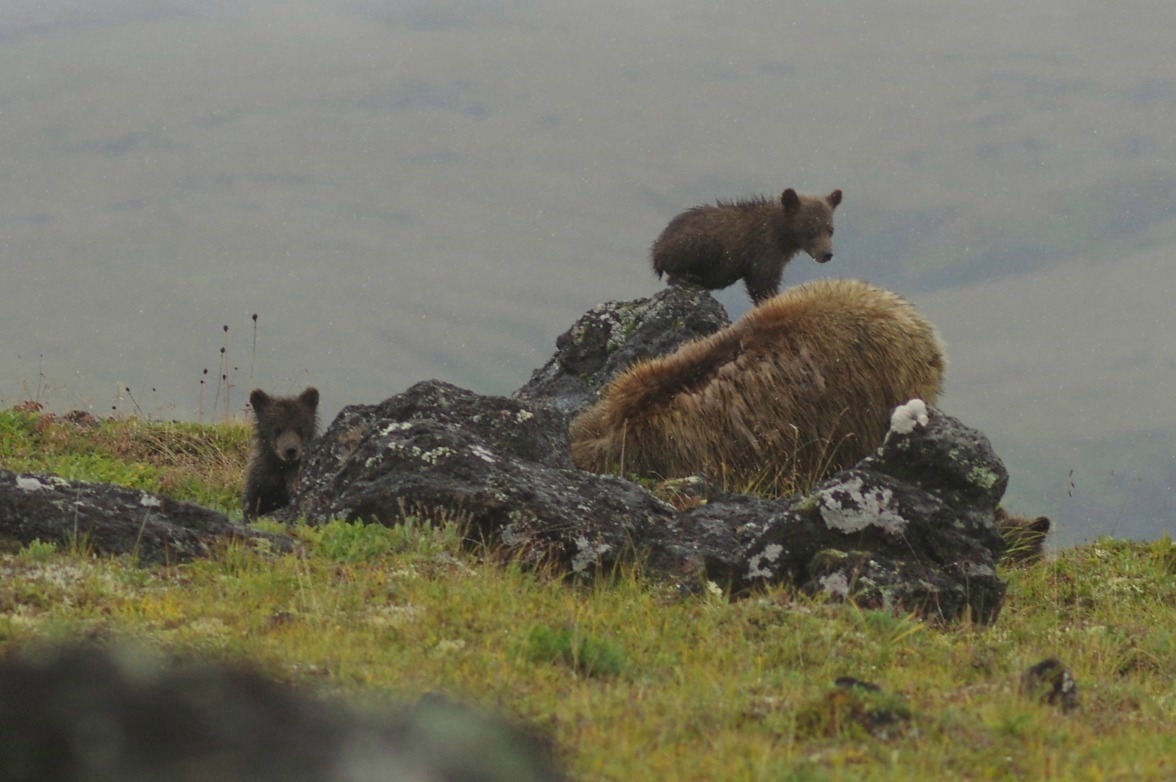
[[113, 520], [499, 465], [911, 528], [610, 337]]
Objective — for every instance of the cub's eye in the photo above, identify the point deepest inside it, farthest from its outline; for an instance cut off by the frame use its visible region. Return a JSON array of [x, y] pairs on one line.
[[829, 229]]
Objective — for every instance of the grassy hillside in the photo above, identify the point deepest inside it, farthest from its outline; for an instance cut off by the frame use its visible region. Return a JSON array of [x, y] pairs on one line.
[[632, 679]]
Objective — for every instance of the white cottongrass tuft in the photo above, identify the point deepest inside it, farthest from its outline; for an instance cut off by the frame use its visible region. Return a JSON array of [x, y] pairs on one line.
[[906, 417]]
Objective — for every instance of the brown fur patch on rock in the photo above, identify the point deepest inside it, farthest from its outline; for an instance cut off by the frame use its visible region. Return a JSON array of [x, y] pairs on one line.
[[796, 389], [717, 245], [1024, 537]]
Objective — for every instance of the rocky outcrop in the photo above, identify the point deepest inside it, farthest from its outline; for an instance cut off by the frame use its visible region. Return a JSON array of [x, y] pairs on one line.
[[499, 465], [909, 529], [113, 520], [610, 337]]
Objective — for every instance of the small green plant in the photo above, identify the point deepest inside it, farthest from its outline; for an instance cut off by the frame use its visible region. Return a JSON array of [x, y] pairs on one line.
[[356, 541], [202, 464], [38, 551], [583, 653], [1164, 552], [343, 541]]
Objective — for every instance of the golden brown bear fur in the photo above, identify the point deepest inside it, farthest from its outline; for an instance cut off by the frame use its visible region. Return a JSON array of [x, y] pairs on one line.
[[799, 387]]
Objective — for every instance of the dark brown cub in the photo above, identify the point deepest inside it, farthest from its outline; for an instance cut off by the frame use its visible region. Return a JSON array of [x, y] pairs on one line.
[[282, 428], [717, 245]]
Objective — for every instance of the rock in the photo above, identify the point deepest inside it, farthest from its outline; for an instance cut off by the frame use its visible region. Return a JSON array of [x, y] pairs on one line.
[[114, 520], [908, 529], [611, 336], [84, 714], [499, 465], [710, 542], [1050, 682]]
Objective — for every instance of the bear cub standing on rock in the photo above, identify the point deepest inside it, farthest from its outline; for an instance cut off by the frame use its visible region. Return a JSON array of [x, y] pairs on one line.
[[283, 427], [716, 246]]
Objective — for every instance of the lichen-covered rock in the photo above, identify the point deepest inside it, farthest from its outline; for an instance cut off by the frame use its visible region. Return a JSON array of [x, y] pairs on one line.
[[947, 458], [612, 336], [499, 465], [86, 714], [113, 520], [901, 530], [925, 542], [710, 541], [1050, 682]]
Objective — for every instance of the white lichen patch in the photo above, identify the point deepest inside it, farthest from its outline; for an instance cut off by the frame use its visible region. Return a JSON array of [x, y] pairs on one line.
[[394, 616], [63, 575], [395, 426], [851, 507], [835, 584], [147, 501], [436, 455], [515, 533], [483, 453], [906, 418], [587, 554], [756, 565], [523, 415], [432, 456], [29, 483]]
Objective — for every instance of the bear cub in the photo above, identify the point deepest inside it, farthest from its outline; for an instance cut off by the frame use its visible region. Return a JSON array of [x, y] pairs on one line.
[[1024, 537], [716, 246], [283, 428]]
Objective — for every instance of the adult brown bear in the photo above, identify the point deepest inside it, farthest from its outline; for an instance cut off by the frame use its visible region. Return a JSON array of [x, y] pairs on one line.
[[799, 387]]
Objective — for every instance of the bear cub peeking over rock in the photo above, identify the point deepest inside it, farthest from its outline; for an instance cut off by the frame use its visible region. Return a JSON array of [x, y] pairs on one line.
[[752, 240], [283, 427], [1024, 537]]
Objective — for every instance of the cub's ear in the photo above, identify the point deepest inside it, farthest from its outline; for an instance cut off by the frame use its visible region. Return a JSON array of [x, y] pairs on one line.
[[790, 200], [309, 397], [259, 400], [834, 198], [1040, 525]]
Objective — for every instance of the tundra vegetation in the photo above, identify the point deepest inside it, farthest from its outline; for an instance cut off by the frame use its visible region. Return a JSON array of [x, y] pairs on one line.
[[631, 678]]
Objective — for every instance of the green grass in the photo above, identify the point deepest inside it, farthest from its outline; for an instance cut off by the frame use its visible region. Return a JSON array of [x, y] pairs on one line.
[[202, 464], [632, 679]]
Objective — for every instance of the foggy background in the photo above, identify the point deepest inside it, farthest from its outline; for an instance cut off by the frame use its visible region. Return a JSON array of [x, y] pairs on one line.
[[415, 190]]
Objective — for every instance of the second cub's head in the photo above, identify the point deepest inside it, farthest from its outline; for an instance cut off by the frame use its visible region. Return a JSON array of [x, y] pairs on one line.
[[810, 220], [284, 426]]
